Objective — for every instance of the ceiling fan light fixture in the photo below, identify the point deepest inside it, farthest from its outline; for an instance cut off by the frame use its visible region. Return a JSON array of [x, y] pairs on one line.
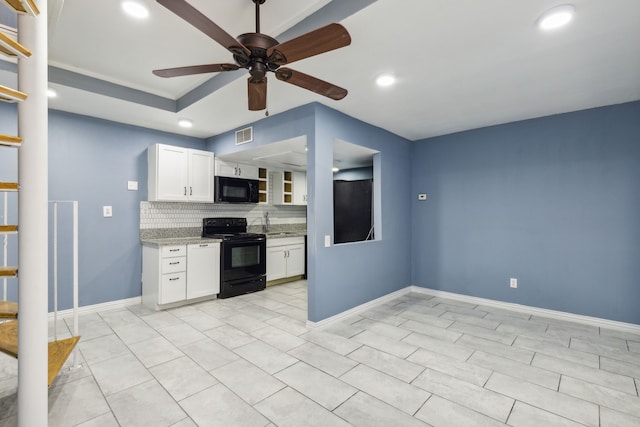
[[51, 93], [556, 17], [185, 123], [335, 169], [135, 9], [385, 80]]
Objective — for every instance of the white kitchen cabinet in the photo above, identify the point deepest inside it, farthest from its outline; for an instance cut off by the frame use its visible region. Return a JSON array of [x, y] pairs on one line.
[[164, 278], [282, 188], [176, 274], [289, 188], [203, 270], [285, 257], [178, 174], [299, 188], [236, 170]]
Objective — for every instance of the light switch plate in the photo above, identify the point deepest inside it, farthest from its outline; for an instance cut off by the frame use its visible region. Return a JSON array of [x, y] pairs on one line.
[[132, 185], [327, 240], [422, 196], [107, 211]]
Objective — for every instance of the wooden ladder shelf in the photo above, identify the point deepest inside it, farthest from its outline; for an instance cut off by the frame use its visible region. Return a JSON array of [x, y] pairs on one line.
[[6, 229], [10, 140], [11, 95], [8, 310], [12, 48], [59, 350], [23, 6], [8, 271], [9, 186]]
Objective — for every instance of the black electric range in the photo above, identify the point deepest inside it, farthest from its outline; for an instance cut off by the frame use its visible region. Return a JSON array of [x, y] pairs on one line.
[[243, 265]]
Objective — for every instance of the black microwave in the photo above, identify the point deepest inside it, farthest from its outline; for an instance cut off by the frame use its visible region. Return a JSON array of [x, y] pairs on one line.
[[235, 190]]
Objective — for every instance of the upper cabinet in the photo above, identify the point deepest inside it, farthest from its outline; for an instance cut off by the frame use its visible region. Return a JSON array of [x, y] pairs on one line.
[[289, 188], [236, 170], [178, 174], [299, 188]]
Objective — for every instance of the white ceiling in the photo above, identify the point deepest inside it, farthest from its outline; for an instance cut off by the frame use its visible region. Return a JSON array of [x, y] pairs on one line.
[[460, 64]]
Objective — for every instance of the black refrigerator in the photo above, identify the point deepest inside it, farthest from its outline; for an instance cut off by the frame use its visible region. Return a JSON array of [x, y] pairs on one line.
[[352, 210]]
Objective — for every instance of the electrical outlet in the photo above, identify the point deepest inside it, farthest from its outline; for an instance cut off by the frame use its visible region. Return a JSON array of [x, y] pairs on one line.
[[327, 241], [132, 185], [107, 211], [513, 282]]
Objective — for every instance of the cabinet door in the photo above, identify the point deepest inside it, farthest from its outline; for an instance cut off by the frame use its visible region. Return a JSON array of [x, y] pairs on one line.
[[203, 270], [276, 263], [295, 260], [299, 188], [200, 176], [226, 168], [247, 171], [172, 287], [171, 173]]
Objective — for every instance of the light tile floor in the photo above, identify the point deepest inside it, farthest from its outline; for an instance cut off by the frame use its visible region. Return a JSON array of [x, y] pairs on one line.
[[415, 361]]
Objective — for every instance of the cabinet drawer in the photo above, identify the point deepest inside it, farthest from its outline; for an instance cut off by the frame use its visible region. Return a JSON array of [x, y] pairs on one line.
[[179, 250], [173, 288], [173, 265]]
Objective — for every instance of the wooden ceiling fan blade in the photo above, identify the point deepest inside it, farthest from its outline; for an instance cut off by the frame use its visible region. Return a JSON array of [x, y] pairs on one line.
[[194, 17], [257, 93], [195, 69], [325, 39], [311, 83]]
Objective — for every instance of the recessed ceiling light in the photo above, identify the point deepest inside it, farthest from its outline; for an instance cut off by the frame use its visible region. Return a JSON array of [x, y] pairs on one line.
[[385, 80], [556, 17], [135, 9], [51, 93], [185, 123]]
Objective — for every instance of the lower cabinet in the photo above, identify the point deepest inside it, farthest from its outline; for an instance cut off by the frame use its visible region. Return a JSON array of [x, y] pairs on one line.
[[285, 257], [173, 274]]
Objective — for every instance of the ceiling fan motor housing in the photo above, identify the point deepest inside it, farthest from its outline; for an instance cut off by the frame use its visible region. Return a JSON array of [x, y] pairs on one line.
[[257, 63]]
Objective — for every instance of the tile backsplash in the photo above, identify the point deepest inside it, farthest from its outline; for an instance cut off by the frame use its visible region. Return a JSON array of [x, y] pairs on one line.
[[188, 215]]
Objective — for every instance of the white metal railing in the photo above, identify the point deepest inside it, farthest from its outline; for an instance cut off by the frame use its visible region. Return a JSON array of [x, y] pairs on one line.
[[76, 329], [5, 244]]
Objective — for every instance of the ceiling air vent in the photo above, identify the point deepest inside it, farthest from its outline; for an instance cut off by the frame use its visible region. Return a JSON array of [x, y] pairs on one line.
[[244, 135]]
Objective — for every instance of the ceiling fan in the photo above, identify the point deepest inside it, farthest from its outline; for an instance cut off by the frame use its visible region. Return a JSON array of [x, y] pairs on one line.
[[260, 54]]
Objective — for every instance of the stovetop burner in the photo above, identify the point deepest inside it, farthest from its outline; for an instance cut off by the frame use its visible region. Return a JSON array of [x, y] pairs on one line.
[[227, 228]]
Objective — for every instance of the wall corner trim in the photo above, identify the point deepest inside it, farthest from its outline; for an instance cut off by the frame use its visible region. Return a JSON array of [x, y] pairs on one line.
[[553, 314], [359, 308]]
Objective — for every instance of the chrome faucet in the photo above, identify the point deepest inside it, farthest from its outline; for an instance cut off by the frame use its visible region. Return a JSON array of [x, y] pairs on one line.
[[267, 223]]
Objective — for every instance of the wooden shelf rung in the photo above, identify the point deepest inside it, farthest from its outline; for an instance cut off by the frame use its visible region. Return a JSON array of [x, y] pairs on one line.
[[9, 186], [10, 140], [8, 271], [24, 6], [12, 48], [9, 338], [8, 310], [59, 352], [8, 229], [11, 95]]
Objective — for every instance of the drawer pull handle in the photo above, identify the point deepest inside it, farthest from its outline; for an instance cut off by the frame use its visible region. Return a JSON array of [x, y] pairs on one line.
[[174, 250], [174, 278], [204, 246], [174, 263]]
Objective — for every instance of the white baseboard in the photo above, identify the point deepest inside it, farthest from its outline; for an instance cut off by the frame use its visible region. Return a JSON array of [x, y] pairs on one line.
[[554, 314], [360, 308], [111, 305]]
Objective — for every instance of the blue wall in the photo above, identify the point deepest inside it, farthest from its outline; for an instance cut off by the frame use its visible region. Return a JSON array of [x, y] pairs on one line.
[[91, 160], [553, 202], [344, 276]]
